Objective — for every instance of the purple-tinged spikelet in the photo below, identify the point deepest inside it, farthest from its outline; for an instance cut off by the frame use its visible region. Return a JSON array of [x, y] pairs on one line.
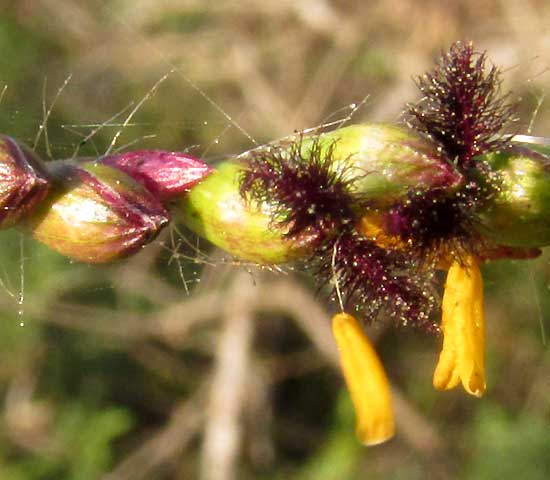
[[24, 182], [96, 213], [167, 175]]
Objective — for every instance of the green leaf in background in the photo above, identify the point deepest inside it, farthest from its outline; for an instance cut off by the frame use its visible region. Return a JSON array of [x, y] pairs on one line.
[[509, 446]]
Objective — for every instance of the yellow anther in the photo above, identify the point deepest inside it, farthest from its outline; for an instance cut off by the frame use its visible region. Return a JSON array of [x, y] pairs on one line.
[[463, 325], [366, 380], [372, 227]]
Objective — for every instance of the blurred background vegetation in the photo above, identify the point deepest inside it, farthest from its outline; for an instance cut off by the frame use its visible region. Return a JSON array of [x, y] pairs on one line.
[[117, 372]]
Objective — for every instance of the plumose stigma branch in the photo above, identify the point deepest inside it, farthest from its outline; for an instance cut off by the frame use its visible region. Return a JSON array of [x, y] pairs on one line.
[[373, 210]]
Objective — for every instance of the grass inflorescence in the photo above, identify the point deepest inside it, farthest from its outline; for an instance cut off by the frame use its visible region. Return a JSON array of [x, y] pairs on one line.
[[464, 113], [309, 191]]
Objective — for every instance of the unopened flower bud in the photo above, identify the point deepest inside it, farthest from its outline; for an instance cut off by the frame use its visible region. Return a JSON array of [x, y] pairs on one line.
[[165, 174], [389, 161], [96, 213], [23, 181], [518, 214], [215, 210]]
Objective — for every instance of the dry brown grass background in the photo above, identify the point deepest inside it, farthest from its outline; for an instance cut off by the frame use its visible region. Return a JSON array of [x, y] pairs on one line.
[[237, 379]]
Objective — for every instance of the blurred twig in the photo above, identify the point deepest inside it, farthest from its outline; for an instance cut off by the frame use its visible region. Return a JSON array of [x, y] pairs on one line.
[[223, 431], [164, 445]]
